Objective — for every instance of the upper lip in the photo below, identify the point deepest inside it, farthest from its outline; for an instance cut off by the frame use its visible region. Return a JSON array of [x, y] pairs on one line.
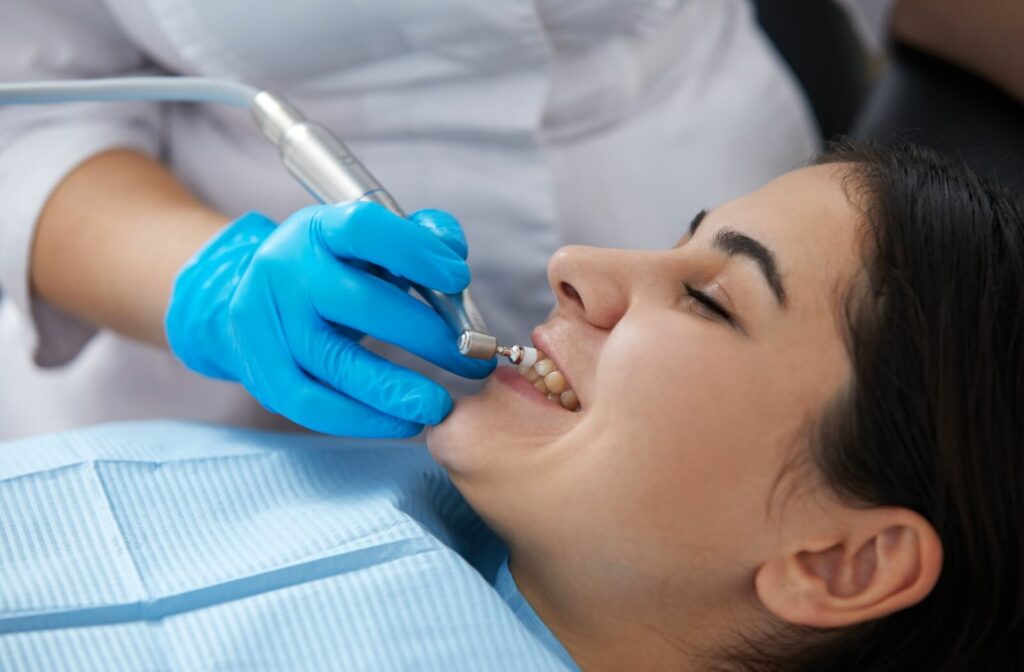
[[539, 337]]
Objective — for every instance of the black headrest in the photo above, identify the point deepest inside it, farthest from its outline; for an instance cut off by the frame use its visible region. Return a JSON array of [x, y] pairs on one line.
[[818, 41], [924, 100]]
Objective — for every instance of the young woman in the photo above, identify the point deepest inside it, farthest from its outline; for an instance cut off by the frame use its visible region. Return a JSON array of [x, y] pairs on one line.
[[801, 435], [791, 442]]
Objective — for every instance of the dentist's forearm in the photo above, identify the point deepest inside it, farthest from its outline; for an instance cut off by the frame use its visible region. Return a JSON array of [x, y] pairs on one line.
[[983, 36], [111, 239]]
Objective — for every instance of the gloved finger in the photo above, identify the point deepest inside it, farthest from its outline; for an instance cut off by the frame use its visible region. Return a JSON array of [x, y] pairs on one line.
[[316, 407], [375, 307], [444, 226], [371, 232], [286, 390], [270, 373], [366, 377], [381, 273]]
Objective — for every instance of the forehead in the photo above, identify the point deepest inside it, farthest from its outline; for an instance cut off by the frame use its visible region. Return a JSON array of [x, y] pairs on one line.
[[807, 219]]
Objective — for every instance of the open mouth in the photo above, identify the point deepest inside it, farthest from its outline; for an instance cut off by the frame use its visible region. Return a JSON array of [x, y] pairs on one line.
[[550, 382]]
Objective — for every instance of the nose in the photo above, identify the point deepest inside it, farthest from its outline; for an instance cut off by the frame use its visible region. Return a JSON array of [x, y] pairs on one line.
[[591, 283]]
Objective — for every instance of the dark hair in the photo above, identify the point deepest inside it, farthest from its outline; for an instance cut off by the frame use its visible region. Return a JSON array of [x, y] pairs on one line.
[[933, 416]]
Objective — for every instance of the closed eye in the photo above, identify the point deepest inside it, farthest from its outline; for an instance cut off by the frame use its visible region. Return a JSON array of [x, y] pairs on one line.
[[708, 304]]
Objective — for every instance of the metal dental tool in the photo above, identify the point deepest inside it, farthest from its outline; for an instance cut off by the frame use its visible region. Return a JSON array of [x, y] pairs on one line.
[[519, 355], [321, 163]]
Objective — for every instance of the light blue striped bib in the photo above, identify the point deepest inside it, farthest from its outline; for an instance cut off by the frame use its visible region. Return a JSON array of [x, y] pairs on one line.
[[172, 546]]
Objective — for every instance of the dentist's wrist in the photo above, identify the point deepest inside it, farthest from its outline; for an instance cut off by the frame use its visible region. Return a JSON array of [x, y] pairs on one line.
[[197, 317]]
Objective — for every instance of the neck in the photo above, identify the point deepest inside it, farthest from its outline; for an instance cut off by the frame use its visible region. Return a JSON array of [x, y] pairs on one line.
[[603, 628]]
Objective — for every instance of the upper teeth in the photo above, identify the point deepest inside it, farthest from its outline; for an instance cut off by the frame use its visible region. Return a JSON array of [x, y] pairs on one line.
[[550, 381]]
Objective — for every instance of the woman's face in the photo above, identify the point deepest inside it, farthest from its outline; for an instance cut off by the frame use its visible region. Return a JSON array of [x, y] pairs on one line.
[[687, 416]]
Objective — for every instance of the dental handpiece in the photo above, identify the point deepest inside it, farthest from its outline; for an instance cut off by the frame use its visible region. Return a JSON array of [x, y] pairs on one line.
[[320, 161], [332, 174]]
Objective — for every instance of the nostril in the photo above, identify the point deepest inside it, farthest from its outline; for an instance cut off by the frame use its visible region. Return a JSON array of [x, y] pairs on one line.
[[571, 292]]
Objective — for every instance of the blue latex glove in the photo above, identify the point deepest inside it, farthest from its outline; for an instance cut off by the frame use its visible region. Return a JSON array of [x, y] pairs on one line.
[[281, 310]]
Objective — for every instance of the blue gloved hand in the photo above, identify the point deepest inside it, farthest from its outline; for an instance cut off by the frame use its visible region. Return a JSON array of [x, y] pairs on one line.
[[281, 310]]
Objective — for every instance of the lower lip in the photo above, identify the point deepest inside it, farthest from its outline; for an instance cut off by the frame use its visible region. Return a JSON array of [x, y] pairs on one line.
[[507, 375]]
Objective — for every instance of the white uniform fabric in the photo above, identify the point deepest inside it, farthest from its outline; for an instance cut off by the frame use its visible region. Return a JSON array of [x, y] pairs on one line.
[[538, 123]]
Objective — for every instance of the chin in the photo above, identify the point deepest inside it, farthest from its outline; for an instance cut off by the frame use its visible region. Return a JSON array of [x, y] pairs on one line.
[[450, 441]]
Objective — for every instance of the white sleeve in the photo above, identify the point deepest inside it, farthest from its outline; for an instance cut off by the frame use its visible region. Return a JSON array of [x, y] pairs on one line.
[[39, 145]]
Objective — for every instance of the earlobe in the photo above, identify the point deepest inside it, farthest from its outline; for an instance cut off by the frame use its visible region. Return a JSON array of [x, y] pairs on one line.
[[880, 561]]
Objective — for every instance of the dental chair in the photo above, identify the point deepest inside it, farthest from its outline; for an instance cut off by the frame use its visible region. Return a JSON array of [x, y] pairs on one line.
[[917, 98], [818, 41], [930, 102]]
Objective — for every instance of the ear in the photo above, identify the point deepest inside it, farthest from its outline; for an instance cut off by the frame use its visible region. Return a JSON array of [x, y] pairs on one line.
[[875, 562]]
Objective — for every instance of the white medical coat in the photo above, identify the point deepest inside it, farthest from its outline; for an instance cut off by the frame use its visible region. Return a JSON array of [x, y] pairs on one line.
[[538, 123]]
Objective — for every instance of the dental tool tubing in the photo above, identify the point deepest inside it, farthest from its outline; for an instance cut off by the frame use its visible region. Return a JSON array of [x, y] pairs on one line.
[[321, 162], [165, 89]]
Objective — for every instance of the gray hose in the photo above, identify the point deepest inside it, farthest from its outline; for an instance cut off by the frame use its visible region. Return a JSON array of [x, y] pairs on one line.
[[191, 89]]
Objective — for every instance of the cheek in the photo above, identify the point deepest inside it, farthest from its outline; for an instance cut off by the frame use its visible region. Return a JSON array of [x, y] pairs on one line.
[[665, 381], [681, 430]]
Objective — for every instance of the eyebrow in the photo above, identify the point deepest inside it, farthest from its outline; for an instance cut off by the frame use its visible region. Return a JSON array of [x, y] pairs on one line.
[[697, 219], [735, 243]]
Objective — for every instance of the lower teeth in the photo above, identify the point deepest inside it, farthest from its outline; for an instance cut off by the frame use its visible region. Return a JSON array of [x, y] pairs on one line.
[[550, 382]]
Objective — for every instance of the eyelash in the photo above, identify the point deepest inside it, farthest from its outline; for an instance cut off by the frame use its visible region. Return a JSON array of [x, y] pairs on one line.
[[708, 303]]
